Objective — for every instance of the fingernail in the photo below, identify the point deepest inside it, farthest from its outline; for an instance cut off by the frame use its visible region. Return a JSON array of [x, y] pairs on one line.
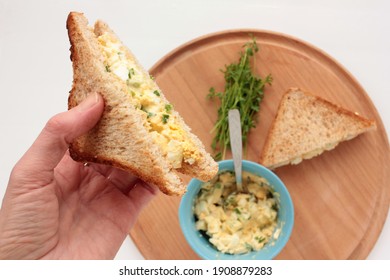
[[89, 102]]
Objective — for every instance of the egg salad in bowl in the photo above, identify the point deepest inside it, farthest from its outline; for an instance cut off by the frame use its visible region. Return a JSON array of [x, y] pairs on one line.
[[237, 222], [219, 222]]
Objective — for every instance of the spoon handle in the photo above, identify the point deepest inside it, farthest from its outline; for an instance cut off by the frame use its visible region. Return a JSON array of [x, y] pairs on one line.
[[236, 145]]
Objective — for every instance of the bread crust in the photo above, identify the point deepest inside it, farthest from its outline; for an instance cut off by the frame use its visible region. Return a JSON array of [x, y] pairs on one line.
[[306, 125], [120, 138], [132, 151]]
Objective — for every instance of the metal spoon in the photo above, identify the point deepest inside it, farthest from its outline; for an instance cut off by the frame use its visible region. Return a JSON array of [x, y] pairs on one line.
[[236, 145]]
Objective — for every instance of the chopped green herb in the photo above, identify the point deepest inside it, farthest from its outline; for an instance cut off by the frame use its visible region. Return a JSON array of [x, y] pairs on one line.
[[248, 246], [108, 68], [148, 114], [165, 118], [156, 92], [131, 72], [230, 200], [151, 76], [260, 239], [237, 211], [168, 108]]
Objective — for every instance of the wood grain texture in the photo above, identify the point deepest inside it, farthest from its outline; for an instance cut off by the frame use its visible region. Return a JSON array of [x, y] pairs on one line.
[[341, 198]]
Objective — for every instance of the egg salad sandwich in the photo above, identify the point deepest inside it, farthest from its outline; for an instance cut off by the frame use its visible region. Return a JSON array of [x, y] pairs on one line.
[[139, 131], [305, 126]]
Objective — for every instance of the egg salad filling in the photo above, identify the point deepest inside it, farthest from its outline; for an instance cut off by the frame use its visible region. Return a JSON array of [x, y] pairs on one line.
[[161, 124], [237, 223]]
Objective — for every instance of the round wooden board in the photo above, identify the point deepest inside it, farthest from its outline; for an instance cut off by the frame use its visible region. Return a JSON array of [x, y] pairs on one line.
[[341, 198]]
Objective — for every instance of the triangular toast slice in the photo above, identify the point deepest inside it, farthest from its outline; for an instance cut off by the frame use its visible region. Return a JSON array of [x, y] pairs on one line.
[[305, 126], [140, 131]]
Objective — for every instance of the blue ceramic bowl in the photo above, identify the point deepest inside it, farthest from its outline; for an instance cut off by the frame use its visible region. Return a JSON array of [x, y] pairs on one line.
[[200, 244]]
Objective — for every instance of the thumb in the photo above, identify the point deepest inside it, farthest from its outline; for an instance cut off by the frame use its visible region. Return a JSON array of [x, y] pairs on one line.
[[52, 143]]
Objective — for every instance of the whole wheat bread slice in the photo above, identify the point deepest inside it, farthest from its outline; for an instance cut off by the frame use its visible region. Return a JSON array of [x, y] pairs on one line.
[[121, 138], [305, 126]]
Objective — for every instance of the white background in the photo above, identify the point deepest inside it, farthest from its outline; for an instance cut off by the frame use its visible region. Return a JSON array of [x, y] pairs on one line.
[[36, 73]]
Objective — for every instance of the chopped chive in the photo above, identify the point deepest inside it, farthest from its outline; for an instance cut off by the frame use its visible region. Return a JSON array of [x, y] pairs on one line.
[[156, 92], [168, 108], [165, 118], [148, 114], [248, 246], [260, 239], [131, 72]]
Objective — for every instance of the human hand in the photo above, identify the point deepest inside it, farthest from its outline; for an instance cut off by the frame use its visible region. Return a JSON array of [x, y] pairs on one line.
[[56, 208]]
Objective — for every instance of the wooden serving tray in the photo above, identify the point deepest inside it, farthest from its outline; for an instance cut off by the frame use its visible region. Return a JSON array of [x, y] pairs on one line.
[[341, 198]]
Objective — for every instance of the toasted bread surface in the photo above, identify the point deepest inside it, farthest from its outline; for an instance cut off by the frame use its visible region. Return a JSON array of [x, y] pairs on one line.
[[121, 138], [307, 125]]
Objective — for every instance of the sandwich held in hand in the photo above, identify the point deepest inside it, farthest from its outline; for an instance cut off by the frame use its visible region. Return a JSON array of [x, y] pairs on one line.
[[305, 126], [140, 131]]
